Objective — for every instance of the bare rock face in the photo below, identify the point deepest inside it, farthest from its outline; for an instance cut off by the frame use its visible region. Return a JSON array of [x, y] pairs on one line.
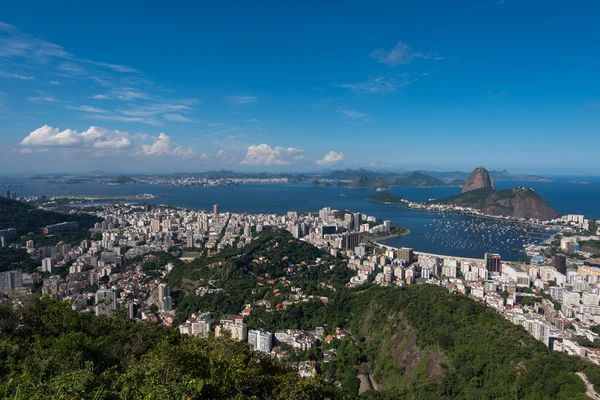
[[480, 178]]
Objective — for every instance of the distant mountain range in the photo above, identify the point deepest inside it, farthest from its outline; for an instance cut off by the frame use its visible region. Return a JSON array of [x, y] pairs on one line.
[[356, 178], [503, 175]]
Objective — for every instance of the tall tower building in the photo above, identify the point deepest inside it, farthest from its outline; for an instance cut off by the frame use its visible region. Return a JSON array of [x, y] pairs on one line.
[[493, 263], [560, 263], [164, 294], [216, 209]]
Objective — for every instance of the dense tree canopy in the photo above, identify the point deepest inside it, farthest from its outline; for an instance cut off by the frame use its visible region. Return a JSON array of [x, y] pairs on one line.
[[48, 351]]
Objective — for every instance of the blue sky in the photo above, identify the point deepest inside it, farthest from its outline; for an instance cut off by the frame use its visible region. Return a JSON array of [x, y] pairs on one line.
[[142, 87]]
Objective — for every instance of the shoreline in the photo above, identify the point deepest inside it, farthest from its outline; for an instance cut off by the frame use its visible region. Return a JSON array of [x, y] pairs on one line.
[[101, 197]]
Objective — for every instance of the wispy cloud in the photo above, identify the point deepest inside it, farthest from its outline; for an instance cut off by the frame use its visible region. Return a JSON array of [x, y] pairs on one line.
[[114, 67], [43, 99], [177, 118], [379, 84], [241, 99], [400, 54], [12, 75], [88, 109], [100, 97], [154, 109], [352, 114], [71, 69], [128, 93], [123, 118]]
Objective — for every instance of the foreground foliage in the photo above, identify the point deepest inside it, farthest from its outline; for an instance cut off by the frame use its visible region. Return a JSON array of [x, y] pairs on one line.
[[48, 351]]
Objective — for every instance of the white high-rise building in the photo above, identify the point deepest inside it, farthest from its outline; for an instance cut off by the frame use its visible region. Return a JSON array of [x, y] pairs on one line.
[[48, 265], [260, 340], [164, 295], [105, 301]]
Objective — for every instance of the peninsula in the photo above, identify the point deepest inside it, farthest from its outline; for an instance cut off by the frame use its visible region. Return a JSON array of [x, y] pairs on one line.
[[479, 193], [387, 198]]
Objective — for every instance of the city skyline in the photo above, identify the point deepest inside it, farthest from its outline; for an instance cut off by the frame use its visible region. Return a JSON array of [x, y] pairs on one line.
[[287, 88]]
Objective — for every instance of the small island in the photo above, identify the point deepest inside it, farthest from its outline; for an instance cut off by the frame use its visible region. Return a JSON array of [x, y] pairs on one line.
[[317, 183], [121, 179], [387, 198], [579, 182]]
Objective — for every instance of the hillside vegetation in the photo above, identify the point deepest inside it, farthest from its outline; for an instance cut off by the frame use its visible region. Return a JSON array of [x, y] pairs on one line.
[[420, 341], [25, 218]]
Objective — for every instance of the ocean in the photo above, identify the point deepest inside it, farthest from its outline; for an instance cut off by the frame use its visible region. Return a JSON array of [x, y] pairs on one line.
[[450, 234]]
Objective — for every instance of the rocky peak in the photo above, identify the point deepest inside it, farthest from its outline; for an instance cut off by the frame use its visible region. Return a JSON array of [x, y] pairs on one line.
[[480, 178]]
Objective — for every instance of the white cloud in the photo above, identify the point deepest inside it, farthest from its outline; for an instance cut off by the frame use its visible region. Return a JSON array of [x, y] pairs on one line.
[[100, 97], [177, 118], [48, 136], [331, 158], [241, 99], [263, 154], [12, 75], [94, 137], [162, 146], [54, 82], [400, 54], [113, 144]]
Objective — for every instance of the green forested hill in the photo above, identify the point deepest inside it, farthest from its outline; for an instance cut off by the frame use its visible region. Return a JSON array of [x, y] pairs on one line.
[[424, 342], [420, 341], [25, 218]]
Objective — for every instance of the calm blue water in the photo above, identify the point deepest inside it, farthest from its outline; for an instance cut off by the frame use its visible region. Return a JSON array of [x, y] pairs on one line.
[[455, 235]]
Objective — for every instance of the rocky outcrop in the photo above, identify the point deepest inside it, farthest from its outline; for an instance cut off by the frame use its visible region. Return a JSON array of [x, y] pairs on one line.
[[480, 178]]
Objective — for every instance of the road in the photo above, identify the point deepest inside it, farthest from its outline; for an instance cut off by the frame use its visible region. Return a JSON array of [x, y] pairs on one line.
[[589, 388], [365, 385]]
